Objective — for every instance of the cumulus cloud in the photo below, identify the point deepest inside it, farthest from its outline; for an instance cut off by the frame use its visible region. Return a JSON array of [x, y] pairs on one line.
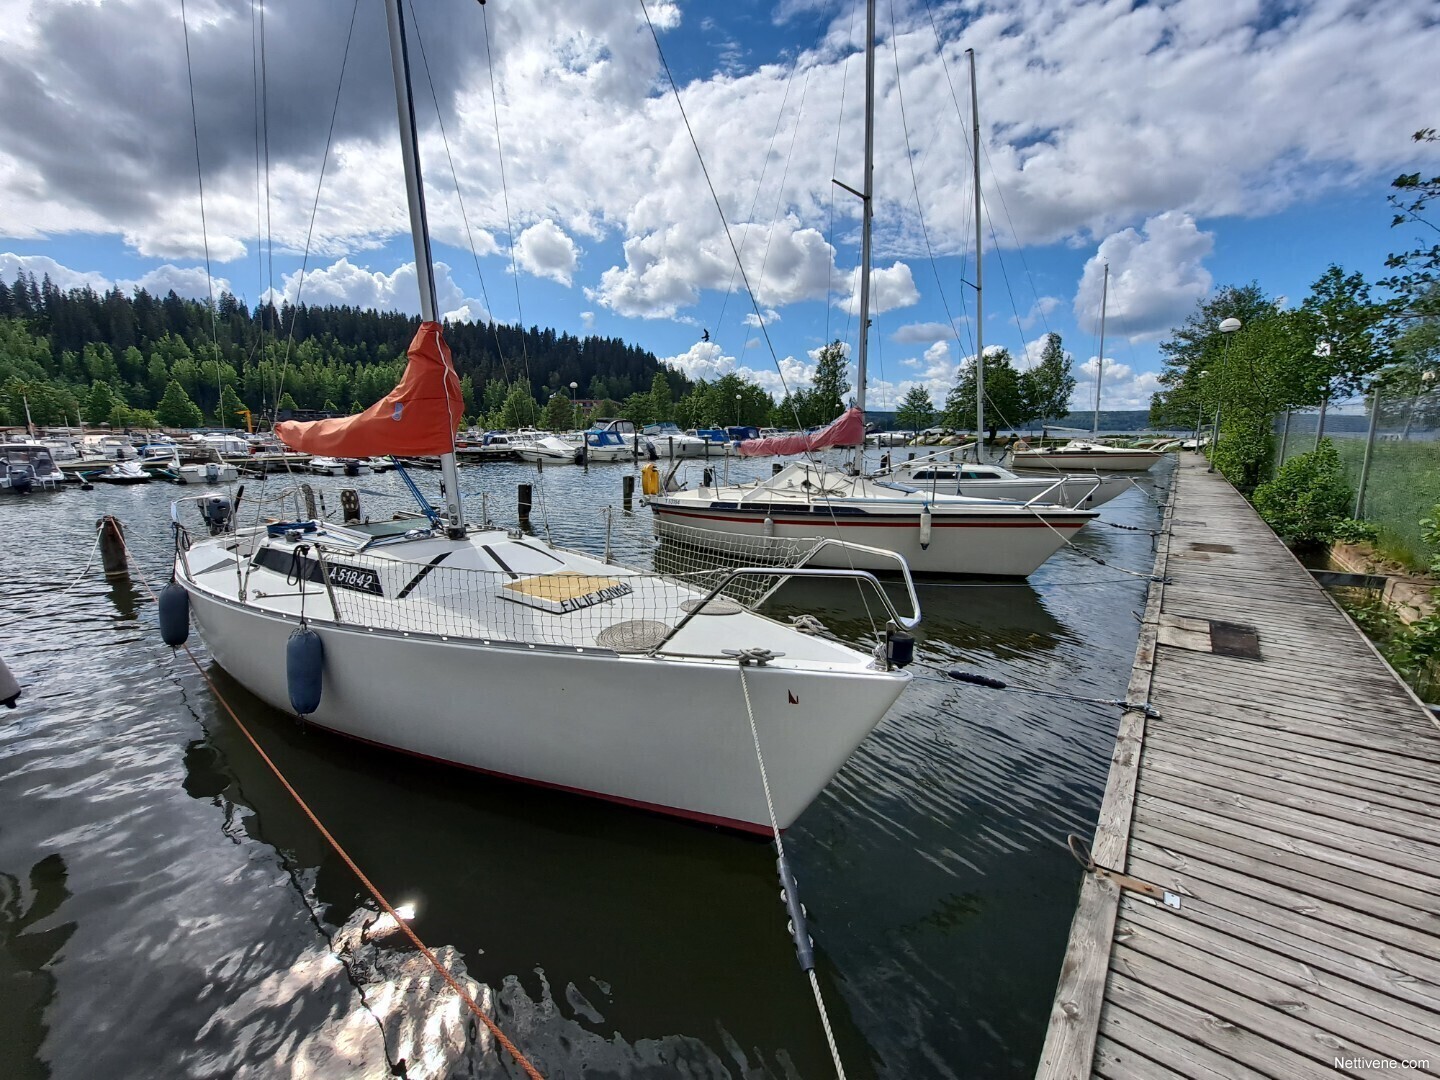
[[666, 268], [922, 333], [765, 318], [343, 282], [546, 251], [1121, 387], [1157, 274], [190, 281], [703, 360], [890, 288]]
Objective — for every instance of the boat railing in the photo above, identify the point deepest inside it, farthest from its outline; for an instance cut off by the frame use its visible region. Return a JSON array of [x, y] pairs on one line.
[[783, 574]]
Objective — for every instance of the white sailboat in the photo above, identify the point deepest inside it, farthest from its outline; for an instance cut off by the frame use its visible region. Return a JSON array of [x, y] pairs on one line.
[[935, 533], [507, 655], [945, 472], [1090, 455]]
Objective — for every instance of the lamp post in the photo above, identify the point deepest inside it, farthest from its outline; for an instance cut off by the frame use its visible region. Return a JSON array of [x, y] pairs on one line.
[[737, 410], [574, 417], [1200, 411], [1227, 327]]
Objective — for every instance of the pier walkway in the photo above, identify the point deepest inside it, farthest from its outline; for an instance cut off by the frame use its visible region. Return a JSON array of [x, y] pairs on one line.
[[1288, 791]]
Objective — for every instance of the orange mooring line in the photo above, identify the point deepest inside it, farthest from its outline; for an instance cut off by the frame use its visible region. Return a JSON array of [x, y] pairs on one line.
[[470, 1002]]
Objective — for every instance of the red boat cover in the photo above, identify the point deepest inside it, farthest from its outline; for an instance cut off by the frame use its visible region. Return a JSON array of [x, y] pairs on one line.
[[417, 418], [847, 430]]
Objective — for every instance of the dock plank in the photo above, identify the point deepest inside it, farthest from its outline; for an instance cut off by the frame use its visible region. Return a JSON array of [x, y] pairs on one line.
[[1293, 801]]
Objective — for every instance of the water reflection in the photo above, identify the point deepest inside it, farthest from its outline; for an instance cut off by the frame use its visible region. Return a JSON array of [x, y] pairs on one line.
[[26, 954], [647, 926]]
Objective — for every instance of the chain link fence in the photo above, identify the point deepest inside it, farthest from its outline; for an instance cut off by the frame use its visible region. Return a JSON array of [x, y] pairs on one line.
[[1391, 456]]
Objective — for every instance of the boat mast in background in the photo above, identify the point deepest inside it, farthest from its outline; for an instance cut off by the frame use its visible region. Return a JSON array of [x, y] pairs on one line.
[[866, 201], [420, 230], [1100, 360], [979, 324]]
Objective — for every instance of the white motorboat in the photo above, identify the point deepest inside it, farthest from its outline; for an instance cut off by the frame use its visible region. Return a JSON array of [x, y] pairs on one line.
[[669, 441], [550, 450], [27, 467], [323, 465], [510, 656], [1085, 455], [209, 472], [122, 472], [943, 474], [606, 445]]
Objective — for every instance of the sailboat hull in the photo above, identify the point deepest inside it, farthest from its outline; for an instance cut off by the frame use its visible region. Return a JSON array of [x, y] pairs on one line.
[[591, 722], [1086, 460], [999, 545]]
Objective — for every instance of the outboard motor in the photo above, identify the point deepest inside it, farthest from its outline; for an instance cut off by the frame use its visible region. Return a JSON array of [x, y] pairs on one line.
[[212, 472], [22, 479], [216, 511]]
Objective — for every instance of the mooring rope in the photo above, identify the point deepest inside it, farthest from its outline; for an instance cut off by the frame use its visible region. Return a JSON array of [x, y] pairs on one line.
[[440, 969], [792, 900], [946, 675], [50, 607]]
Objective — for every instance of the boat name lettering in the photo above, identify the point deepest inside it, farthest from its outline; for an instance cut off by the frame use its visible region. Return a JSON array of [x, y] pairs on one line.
[[599, 596], [359, 578]]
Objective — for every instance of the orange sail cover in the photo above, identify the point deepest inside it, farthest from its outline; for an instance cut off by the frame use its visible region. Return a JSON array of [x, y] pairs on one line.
[[417, 418]]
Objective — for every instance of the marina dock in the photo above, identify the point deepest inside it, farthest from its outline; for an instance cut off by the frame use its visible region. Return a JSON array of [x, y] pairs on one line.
[[1285, 786]]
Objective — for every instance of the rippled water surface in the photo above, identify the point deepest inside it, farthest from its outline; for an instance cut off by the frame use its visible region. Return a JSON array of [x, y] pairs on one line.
[[167, 910]]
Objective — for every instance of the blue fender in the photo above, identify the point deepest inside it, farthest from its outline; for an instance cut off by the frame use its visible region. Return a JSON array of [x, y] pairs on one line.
[[304, 663]]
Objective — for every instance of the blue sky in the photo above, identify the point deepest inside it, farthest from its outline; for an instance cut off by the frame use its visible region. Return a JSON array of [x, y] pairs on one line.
[[1190, 145]]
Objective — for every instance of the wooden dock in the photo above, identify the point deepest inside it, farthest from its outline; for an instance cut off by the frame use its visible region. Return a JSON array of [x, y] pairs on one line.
[[1288, 791]]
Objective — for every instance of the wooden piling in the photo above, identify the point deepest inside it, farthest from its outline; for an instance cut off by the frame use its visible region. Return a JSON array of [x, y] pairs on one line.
[[627, 489], [112, 546], [522, 502]]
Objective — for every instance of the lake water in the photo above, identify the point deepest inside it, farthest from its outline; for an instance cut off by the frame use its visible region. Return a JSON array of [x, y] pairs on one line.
[[166, 910]]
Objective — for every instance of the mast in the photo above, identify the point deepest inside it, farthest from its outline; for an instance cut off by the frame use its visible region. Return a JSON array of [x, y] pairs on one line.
[[979, 292], [420, 232], [866, 196], [1100, 363]]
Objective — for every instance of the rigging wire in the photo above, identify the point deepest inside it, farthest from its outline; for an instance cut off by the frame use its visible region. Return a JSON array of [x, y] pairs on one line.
[[314, 212], [759, 184], [505, 190], [270, 307], [834, 168], [455, 175], [200, 180], [754, 303]]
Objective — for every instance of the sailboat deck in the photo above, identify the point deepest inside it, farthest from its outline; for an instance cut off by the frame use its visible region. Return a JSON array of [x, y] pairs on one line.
[[1289, 792]]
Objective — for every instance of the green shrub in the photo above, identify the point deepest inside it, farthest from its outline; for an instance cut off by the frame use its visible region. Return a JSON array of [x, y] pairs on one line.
[[1308, 499], [1352, 531]]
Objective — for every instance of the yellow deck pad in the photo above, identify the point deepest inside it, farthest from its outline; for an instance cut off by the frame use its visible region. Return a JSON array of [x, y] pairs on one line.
[[565, 591]]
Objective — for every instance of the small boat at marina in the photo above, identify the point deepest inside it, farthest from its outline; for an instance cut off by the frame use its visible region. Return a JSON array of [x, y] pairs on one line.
[[668, 441], [934, 533], [1086, 455], [123, 473], [27, 467], [944, 473], [633, 686], [208, 472], [550, 450], [325, 466], [605, 445]]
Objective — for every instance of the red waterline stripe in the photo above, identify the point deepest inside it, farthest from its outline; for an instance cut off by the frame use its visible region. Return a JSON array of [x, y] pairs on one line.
[[637, 804], [871, 523]]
